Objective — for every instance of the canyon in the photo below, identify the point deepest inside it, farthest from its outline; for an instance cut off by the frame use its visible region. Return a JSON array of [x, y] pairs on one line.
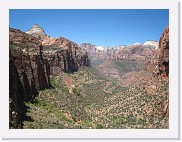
[[57, 83]]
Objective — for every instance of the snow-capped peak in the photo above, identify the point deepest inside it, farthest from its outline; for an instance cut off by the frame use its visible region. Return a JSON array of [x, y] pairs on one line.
[[137, 43], [152, 43]]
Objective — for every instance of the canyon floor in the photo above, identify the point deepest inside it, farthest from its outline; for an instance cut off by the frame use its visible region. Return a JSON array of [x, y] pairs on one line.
[[92, 98]]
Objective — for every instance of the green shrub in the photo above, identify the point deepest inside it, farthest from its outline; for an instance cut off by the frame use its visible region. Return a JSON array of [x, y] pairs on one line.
[[142, 121], [151, 120], [118, 120], [99, 126], [54, 82], [131, 119], [76, 91]]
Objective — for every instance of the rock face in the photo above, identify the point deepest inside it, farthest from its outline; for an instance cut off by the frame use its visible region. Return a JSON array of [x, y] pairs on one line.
[[160, 63], [37, 31], [160, 68], [162, 55], [29, 72], [65, 55], [62, 54], [16, 100]]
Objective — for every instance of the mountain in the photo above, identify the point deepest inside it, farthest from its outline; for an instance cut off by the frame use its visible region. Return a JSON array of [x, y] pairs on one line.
[[37, 31], [152, 43], [137, 43], [61, 53], [134, 52]]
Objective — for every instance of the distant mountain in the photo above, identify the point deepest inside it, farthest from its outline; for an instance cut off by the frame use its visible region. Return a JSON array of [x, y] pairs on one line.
[[37, 31], [152, 43], [137, 43], [101, 48], [134, 52]]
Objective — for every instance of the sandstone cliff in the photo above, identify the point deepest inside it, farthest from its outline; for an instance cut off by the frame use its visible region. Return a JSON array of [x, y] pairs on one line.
[[29, 72], [160, 63], [65, 55], [162, 54], [62, 54]]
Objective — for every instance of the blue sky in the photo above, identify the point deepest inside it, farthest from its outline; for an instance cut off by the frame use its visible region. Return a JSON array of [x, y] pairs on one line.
[[98, 27]]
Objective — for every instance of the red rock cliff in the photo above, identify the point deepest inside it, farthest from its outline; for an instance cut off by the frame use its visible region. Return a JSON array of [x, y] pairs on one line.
[[65, 55], [29, 72], [159, 65]]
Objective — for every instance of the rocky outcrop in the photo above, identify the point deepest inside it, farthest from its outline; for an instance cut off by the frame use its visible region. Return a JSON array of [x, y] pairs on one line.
[[37, 31], [61, 53], [162, 55], [65, 55], [29, 72], [159, 66], [160, 63]]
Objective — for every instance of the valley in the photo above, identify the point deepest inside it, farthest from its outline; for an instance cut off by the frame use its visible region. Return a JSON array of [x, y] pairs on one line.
[[58, 84], [93, 101]]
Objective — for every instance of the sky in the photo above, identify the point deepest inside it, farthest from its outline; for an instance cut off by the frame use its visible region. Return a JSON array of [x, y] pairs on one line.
[[104, 27]]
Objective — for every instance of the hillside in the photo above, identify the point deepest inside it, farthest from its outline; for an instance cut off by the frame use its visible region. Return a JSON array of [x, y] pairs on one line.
[[68, 104], [87, 99]]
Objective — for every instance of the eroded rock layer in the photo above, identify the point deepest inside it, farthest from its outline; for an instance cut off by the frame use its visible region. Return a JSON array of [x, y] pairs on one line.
[[65, 55], [29, 72]]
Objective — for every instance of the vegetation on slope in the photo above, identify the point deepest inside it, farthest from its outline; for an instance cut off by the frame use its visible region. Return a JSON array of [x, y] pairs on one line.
[[88, 99]]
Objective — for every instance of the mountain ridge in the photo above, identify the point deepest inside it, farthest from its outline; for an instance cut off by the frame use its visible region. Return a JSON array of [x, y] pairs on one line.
[[37, 31]]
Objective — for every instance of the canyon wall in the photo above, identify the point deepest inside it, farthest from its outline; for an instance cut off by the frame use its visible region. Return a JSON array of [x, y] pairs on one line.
[[31, 62], [28, 72]]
